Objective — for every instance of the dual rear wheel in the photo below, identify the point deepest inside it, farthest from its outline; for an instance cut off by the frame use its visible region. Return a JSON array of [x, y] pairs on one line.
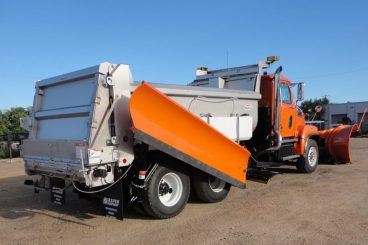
[[209, 189], [168, 191]]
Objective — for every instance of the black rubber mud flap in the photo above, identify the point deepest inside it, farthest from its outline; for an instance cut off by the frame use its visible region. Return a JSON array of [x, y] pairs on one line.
[[112, 201], [57, 192]]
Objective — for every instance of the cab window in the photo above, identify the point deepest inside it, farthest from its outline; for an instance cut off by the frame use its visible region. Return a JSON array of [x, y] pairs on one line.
[[285, 94]]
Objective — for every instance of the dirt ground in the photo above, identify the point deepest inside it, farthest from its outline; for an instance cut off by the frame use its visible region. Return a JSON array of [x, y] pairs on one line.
[[329, 206]]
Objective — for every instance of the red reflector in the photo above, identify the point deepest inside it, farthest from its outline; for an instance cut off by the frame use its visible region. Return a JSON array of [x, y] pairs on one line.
[[124, 160], [142, 175]]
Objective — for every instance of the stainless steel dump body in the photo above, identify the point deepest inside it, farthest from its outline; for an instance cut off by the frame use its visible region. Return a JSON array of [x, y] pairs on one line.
[[81, 120]]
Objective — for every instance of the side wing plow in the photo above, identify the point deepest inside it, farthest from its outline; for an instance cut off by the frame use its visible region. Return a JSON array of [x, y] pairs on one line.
[[162, 123]]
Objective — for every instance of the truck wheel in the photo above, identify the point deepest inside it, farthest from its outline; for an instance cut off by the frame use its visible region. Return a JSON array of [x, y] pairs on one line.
[[166, 193], [309, 161], [209, 188]]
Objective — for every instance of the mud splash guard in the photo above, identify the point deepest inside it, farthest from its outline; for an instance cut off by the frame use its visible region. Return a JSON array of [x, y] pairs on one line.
[[162, 123]]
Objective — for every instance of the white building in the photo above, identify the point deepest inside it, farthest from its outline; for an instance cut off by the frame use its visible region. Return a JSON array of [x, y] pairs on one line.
[[336, 114]]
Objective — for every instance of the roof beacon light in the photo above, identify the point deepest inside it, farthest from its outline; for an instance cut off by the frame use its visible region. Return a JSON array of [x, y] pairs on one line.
[[272, 58]]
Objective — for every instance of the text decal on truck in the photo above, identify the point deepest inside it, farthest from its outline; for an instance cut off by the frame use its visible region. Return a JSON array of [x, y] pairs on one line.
[[112, 201], [57, 191]]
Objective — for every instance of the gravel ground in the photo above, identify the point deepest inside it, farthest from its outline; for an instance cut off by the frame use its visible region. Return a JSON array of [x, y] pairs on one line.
[[329, 206]]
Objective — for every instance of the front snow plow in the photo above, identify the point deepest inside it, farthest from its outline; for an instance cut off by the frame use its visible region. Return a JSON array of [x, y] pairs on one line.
[[337, 142], [167, 126]]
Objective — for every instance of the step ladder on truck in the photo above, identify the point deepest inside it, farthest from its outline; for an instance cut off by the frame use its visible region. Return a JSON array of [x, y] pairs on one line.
[[106, 136]]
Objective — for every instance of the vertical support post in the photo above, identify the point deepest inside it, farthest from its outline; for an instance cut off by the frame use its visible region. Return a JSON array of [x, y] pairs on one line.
[[140, 171], [10, 149], [142, 158], [237, 128]]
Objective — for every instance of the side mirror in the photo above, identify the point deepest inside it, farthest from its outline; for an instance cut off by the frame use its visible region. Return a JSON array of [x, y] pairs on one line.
[[300, 93], [318, 108]]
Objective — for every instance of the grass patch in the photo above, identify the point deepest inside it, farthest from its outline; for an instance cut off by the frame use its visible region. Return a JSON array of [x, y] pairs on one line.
[[5, 153]]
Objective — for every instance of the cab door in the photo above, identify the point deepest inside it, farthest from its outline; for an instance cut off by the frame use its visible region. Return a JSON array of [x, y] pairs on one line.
[[288, 111]]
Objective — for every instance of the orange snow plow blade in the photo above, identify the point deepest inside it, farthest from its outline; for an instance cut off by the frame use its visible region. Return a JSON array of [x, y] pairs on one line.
[[337, 142], [167, 126]]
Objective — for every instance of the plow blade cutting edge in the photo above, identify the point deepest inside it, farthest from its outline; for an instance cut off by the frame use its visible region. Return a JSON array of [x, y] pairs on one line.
[[167, 126], [337, 142]]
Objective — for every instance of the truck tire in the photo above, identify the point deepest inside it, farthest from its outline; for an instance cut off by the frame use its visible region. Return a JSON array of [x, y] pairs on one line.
[[166, 193], [210, 189], [308, 162]]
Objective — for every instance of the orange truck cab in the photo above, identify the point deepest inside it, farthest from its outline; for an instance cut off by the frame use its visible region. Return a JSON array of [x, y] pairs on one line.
[[291, 116], [282, 135]]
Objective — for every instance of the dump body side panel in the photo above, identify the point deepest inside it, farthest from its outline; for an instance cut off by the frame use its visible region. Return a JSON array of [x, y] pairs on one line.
[[213, 102]]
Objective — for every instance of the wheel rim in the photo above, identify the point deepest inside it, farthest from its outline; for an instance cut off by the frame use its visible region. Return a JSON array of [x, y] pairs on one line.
[[216, 184], [312, 156], [170, 189]]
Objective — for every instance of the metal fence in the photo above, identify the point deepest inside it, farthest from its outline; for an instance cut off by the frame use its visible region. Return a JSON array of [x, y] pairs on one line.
[[10, 144]]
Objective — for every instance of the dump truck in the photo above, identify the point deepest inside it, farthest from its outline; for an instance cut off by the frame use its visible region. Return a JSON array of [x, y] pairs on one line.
[[104, 135]]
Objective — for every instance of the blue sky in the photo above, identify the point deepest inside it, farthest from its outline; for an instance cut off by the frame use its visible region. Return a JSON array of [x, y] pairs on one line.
[[322, 43]]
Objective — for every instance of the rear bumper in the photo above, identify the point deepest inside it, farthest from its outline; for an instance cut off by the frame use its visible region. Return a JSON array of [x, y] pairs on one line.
[[61, 169], [71, 171], [58, 158], [64, 159]]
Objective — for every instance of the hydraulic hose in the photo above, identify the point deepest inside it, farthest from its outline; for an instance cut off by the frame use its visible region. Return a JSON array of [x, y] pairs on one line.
[[103, 189]]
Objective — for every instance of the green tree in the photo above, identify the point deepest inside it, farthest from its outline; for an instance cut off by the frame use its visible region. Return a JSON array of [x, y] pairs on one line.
[[308, 107], [10, 121]]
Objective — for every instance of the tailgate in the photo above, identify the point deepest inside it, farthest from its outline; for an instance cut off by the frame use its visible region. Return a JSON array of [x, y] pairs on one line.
[[62, 121]]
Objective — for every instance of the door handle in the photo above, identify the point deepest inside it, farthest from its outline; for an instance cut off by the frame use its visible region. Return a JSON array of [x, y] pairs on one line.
[[290, 121]]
